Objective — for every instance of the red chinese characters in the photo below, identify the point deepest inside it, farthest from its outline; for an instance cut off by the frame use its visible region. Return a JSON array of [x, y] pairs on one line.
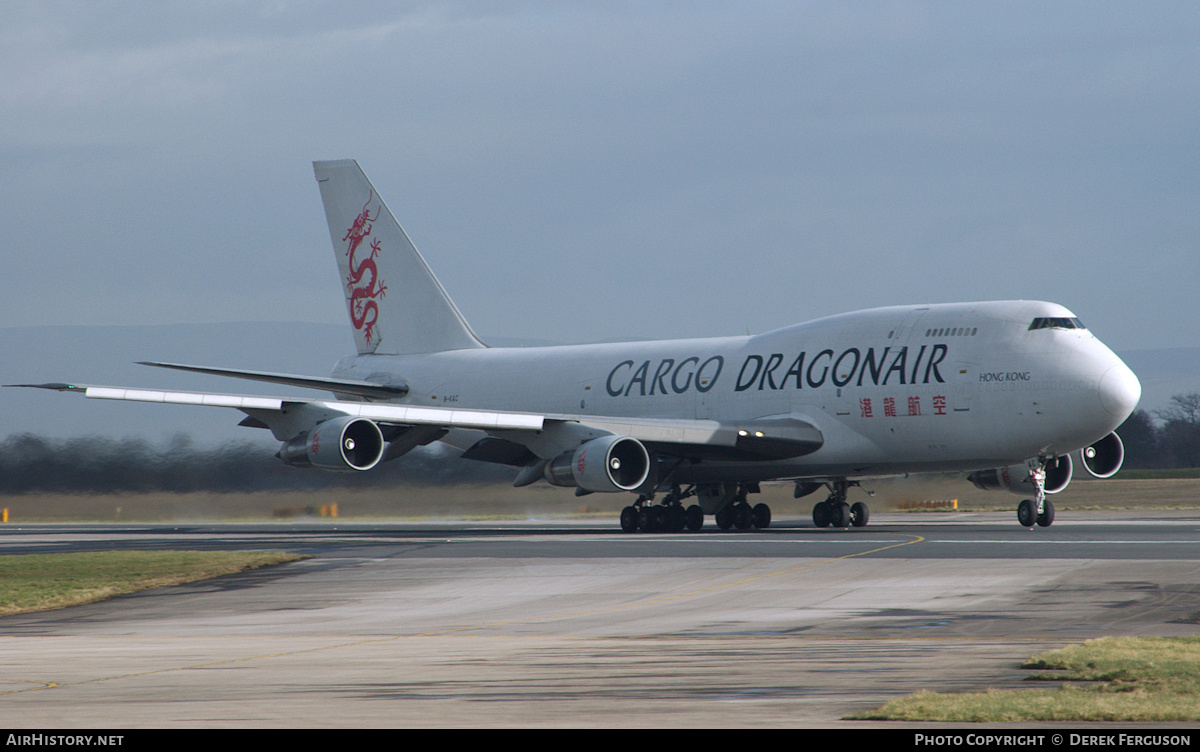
[[866, 407], [914, 405]]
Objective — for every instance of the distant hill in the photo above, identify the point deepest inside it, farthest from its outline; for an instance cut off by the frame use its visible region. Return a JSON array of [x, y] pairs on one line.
[[107, 355]]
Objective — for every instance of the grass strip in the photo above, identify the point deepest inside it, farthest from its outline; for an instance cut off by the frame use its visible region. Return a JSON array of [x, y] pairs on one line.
[[38, 582], [1141, 679]]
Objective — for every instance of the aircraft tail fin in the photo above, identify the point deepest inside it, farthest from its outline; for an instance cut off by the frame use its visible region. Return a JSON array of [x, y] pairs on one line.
[[396, 304]]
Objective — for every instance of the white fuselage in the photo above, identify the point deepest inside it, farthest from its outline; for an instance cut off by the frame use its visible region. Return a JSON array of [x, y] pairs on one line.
[[893, 390]]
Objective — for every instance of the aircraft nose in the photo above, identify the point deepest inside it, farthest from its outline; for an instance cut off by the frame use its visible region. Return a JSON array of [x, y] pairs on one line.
[[1120, 390]]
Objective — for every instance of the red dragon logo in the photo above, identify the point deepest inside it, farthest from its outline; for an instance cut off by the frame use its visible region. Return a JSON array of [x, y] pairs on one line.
[[364, 290]]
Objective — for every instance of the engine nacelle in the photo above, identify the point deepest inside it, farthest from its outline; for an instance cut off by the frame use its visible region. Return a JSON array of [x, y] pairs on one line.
[[804, 488], [344, 444], [1104, 458], [604, 465], [1018, 479]]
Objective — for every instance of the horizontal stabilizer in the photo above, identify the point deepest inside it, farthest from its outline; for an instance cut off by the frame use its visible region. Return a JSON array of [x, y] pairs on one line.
[[367, 389]]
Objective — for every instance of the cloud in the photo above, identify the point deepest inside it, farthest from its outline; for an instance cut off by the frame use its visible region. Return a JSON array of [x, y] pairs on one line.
[[594, 170]]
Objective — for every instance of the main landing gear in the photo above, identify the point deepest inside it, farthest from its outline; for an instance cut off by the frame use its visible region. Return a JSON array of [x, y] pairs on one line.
[[671, 516], [1038, 510], [740, 515], [835, 512], [668, 517], [727, 502]]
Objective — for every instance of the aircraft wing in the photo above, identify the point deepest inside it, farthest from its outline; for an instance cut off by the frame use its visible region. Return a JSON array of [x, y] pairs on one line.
[[543, 435], [264, 406]]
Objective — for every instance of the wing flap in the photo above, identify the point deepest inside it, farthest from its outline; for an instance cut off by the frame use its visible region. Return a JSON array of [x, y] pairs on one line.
[[665, 430], [241, 402], [440, 416], [768, 438]]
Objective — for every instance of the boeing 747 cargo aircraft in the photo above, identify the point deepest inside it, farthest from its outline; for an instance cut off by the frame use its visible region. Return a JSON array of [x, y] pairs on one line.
[[1006, 392]]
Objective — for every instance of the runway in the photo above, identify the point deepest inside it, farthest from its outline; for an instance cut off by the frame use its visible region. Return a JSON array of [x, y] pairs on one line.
[[566, 623]]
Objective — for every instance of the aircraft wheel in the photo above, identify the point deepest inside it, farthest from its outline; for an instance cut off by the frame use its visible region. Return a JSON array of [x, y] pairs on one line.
[[723, 517], [629, 519], [1027, 513], [646, 520], [821, 514], [743, 518], [695, 517], [761, 516], [859, 514], [840, 515], [676, 518], [1046, 518], [659, 519]]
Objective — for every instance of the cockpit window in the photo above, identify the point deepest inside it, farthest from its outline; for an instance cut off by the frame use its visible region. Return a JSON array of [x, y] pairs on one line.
[[1056, 323]]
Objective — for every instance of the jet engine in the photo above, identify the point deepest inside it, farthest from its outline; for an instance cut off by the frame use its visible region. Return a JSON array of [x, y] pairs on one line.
[[1104, 458], [342, 444], [607, 464], [1018, 479]]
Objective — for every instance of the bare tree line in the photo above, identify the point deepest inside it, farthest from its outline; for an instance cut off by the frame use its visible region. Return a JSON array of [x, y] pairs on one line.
[[33, 464], [1165, 439]]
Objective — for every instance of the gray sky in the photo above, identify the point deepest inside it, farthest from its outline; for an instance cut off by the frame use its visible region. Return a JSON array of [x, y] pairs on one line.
[[588, 170]]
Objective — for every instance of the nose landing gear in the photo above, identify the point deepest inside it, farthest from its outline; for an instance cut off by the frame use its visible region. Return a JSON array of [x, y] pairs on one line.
[[1038, 510]]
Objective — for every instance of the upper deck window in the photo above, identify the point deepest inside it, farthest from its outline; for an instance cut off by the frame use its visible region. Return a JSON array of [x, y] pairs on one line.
[[1056, 323]]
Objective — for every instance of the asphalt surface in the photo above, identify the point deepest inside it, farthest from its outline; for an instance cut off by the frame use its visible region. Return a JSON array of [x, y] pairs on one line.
[[567, 623]]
